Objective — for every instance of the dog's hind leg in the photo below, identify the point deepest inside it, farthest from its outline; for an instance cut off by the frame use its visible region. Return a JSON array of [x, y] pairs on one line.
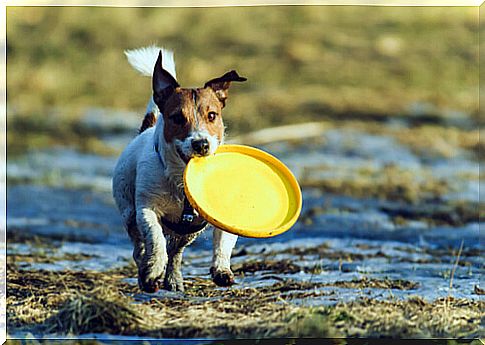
[[123, 195], [175, 248], [223, 243]]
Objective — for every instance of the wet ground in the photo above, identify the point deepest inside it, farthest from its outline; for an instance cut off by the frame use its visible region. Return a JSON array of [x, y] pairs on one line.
[[386, 223]]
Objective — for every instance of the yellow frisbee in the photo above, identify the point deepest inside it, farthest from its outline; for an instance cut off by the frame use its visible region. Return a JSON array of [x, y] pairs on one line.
[[244, 191]]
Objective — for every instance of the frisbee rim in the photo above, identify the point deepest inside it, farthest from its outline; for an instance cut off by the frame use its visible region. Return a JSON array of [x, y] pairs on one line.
[[268, 159]]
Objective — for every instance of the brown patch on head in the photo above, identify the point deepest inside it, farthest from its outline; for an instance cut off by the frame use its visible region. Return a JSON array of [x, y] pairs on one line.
[[173, 102], [221, 85], [176, 117], [182, 116], [209, 112], [189, 110]]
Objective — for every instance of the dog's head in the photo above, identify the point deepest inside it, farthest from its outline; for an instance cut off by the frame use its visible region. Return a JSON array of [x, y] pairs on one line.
[[192, 117]]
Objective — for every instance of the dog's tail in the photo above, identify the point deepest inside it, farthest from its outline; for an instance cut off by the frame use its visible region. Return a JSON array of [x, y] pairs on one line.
[[143, 60]]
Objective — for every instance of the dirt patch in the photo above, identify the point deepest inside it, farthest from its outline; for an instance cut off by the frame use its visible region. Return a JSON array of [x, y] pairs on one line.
[[282, 266], [292, 285], [323, 251], [286, 267], [25, 237], [431, 212], [47, 259], [454, 214], [365, 283], [444, 252]]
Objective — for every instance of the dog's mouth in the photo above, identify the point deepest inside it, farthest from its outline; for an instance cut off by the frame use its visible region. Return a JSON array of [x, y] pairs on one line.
[[186, 154], [185, 158]]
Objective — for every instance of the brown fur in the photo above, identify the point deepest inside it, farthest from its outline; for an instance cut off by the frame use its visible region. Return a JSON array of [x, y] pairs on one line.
[[177, 104], [181, 104], [148, 121]]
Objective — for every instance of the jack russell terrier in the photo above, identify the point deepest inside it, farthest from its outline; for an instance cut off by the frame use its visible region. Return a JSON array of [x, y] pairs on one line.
[[148, 187]]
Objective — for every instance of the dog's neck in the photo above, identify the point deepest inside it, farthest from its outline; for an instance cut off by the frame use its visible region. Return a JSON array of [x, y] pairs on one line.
[[171, 163]]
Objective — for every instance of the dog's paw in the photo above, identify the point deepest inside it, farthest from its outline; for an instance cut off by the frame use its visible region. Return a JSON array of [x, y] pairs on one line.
[[150, 276], [149, 285], [174, 281], [222, 277]]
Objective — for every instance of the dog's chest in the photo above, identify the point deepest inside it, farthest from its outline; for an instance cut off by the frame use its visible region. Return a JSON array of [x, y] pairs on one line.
[[168, 205], [171, 214]]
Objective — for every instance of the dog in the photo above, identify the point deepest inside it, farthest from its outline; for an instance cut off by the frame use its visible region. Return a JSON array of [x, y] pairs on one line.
[[180, 123]]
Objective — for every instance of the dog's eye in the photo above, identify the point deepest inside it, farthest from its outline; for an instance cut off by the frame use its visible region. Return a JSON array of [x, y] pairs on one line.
[[178, 118], [211, 115]]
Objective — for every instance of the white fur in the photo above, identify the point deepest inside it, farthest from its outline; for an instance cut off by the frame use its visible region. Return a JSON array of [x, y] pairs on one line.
[[143, 60], [223, 243], [146, 188], [185, 146]]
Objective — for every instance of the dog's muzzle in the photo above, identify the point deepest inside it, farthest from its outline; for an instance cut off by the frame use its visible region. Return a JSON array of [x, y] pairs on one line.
[[201, 146]]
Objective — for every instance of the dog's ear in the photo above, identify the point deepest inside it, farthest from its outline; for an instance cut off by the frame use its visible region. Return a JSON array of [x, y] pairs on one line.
[[221, 85], [163, 83]]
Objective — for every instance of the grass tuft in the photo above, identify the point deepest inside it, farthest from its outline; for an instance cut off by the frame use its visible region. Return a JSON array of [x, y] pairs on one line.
[[101, 309]]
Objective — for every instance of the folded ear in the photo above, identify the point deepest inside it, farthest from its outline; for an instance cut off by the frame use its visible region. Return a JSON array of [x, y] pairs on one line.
[[221, 85], [163, 83]]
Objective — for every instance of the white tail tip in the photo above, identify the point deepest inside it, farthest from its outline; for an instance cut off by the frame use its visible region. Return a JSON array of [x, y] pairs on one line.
[[144, 59]]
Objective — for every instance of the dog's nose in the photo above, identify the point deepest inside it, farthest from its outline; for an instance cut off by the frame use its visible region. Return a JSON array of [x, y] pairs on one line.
[[201, 146]]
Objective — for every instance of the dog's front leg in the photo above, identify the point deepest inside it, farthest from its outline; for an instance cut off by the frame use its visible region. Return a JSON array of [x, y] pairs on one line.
[[223, 243], [151, 270]]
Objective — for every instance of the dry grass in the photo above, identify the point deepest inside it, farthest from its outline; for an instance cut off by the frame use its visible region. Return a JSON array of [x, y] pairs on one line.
[[83, 302], [44, 130], [389, 183], [396, 55], [302, 62], [438, 141], [86, 302], [35, 296], [423, 139], [414, 317], [100, 309]]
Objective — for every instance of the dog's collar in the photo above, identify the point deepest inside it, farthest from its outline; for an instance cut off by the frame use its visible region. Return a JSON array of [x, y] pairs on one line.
[[185, 226]]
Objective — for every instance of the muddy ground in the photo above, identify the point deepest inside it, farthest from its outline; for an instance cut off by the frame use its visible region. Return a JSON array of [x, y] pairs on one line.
[[387, 245]]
